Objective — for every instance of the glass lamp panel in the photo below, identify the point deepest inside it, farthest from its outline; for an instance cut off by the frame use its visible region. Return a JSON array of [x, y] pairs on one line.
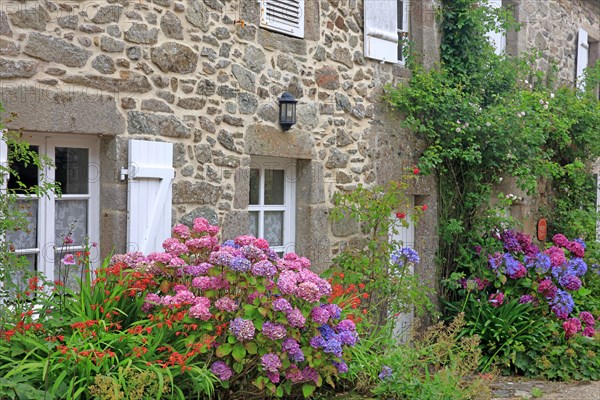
[[71, 218], [274, 227], [282, 112], [253, 222], [274, 187], [254, 186], [72, 170], [26, 238], [25, 173]]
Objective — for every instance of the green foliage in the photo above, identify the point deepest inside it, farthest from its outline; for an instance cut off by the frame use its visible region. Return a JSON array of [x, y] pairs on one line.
[[439, 364], [576, 359], [504, 332], [392, 288], [94, 343], [485, 117]]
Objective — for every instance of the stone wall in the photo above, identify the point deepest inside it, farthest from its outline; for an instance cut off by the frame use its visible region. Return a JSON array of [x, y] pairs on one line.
[[551, 27], [189, 72]]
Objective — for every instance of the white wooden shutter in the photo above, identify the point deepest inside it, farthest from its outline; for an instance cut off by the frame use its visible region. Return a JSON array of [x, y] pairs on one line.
[[381, 30], [3, 162], [285, 16], [498, 39], [150, 174], [583, 54]]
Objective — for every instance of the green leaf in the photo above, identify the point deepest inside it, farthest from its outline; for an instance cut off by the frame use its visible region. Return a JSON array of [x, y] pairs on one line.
[[279, 391], [251, 347], [239, 352], [308, 390], [223, 350]]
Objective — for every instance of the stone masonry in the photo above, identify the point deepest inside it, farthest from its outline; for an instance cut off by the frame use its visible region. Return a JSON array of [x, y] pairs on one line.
[[189, 72]]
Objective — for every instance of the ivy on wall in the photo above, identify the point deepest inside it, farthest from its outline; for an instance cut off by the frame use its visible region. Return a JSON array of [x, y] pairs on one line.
[[485, 117]]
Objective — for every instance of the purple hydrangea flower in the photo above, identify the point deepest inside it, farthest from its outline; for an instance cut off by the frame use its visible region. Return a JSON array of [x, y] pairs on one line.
[[242, 329], [221, 370], [526, 298], [570, 282], [511, 243], [587, 318], [150, 302], [386, 373], [296, 319], [333, 346], [240, 264], [273, 330], [320, 315], [348, 338], [562, 304], [281, 304], [341, 366], [577, 266], [346, 325], [271, 362], [405, 255], [226, 304], [317, 342], [310, 374], [264, 268]]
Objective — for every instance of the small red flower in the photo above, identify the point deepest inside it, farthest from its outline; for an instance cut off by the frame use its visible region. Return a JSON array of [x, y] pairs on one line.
[[400, 215], [424, 207], [416, 170]]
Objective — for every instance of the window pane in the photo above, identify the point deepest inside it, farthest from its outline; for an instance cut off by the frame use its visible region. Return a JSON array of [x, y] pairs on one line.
[[274, 227], [274, 180], [25, 173], [254, 185], [253, 222], [25, 238], [71, 219], [72, 170], [68, 274]]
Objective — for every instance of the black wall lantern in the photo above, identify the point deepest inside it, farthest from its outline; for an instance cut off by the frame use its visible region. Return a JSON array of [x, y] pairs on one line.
[[287, 110]]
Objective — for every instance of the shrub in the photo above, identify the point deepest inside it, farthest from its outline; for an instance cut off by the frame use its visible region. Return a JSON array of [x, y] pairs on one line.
[[525, 299], [197, 318]]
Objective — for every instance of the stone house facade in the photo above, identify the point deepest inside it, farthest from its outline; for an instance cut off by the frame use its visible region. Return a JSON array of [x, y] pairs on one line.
[[567, 36], [88, 81]]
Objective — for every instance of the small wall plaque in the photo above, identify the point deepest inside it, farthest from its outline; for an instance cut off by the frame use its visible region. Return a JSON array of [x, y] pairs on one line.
[[542, 229]]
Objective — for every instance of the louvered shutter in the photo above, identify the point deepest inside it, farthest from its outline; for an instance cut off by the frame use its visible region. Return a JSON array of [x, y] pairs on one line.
[[150, 175], [285, 16], [583, 54], [381, 30], [498, 39]]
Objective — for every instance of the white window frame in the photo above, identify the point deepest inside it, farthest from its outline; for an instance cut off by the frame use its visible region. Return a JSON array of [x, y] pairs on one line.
[[291, 9], [47, 243], [289, 193], [403, 29]]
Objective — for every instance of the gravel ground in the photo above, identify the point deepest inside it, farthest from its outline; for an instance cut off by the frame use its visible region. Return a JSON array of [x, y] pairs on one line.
[[516, 388]]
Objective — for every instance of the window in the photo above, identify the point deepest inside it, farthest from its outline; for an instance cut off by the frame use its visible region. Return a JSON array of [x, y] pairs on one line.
[[272, 202], [497, 39], [286, 16], [75, 213], [386, 29]]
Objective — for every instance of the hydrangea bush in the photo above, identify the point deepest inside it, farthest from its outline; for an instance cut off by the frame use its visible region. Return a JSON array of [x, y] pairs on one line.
[[267, 318], [199, 318], [524, 294]]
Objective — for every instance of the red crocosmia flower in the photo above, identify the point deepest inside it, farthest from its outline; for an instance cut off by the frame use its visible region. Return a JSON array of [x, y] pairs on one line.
[[416, 171], [400, 215], [424, 207], [342, 275]]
